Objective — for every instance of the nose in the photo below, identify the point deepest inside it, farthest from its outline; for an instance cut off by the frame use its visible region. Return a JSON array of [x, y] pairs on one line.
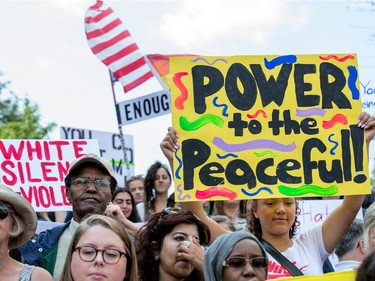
[[123, 205], [91, 186], [99, 259], [280, 208], [248, 270]]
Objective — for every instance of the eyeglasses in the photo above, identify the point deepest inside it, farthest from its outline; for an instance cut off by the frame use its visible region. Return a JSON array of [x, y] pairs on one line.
[[4, 211], [84, 183], [170, 210], [239, 262], [110, 256]]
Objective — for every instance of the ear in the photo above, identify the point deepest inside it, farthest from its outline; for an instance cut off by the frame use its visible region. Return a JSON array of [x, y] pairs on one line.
[[254, 209], [68, 197], [155, 248], [361, 246]]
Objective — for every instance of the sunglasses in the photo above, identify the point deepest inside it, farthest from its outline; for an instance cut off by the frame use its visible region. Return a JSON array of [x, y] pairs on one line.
[[4, 211], [168, 211], [239, 262]]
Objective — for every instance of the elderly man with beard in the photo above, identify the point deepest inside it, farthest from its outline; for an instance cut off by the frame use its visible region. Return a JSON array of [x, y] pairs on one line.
[[90, 183]]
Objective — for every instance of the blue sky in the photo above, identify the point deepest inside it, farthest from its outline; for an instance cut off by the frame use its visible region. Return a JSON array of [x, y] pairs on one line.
[[44, 53]]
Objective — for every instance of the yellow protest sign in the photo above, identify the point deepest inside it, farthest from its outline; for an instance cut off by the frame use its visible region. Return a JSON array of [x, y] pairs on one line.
[[267, 127], [334, 276]]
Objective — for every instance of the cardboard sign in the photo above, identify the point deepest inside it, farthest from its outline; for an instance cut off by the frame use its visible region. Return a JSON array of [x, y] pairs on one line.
[[110, 148], [37, 168], [268, 127]]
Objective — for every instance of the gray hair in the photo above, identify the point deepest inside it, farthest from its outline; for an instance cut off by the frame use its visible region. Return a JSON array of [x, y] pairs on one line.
[[224, 220], [350, 239], [18, 225], [368, 222]]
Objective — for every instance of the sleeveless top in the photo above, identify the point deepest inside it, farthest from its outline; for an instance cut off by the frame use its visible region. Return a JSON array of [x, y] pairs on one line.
[[26, 272]]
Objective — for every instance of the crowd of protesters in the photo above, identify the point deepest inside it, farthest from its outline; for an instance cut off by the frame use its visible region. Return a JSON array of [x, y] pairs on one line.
[[137, 232]]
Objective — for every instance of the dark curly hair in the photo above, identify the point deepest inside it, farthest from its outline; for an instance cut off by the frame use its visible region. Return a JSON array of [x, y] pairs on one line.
[[154, 231], [253, 223], [150, 192]]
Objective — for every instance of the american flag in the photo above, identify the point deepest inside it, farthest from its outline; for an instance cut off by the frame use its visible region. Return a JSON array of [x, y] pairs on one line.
[[112, 43]]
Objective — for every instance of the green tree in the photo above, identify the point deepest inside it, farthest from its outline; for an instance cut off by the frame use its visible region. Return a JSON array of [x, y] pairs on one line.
[[20, 118]]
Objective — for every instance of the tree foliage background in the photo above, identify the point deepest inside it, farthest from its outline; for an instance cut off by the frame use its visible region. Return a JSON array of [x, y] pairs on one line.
[[20, 118]]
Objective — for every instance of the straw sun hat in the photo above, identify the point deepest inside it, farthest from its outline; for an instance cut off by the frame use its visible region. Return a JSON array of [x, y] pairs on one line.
[[24, 210]]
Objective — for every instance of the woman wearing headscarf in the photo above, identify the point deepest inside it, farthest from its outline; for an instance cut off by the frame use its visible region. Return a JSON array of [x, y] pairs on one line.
[[18, 223], [235, 256]]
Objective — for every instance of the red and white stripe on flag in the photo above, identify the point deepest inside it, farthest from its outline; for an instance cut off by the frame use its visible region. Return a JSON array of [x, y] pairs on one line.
[[112, 43]]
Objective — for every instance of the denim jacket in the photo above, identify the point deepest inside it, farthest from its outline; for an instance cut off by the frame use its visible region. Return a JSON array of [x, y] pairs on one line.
[[41, 250]]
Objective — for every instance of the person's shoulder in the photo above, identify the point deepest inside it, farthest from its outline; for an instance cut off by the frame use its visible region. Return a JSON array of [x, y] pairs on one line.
[[45, 238], [140, 208], [40, 274], [54, 231]]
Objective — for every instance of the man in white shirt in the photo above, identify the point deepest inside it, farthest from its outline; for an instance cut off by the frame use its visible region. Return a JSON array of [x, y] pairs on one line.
[[351, 251]]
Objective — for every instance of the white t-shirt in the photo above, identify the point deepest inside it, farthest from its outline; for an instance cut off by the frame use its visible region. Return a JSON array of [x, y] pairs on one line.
[[141, 210], [307, 253], [346, 265]]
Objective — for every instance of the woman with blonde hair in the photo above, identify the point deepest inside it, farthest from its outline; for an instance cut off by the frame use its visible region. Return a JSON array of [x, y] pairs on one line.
[[101, 249]]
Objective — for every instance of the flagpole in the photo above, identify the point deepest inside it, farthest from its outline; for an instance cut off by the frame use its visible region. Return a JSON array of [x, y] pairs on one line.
[[122, 139]]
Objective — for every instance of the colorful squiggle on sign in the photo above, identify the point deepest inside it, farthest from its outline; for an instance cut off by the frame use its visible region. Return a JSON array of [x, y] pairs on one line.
[[177, 173], [342, 59], [179, 190], [353, 75], [200, 122], [336, 144], [337, 118], [226, 155], [255, 144], [225, 106], [308, 188], [266, 152], [209, 63], [256, 114], [263, 188], [279, 61], [215, 191], [179, 102], [310, 112]]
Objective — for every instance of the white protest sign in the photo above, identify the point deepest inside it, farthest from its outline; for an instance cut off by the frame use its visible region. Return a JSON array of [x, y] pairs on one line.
[[368, 95], [143, 108], [314, 212], [367, 91], [110, 148], [37, 168]]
